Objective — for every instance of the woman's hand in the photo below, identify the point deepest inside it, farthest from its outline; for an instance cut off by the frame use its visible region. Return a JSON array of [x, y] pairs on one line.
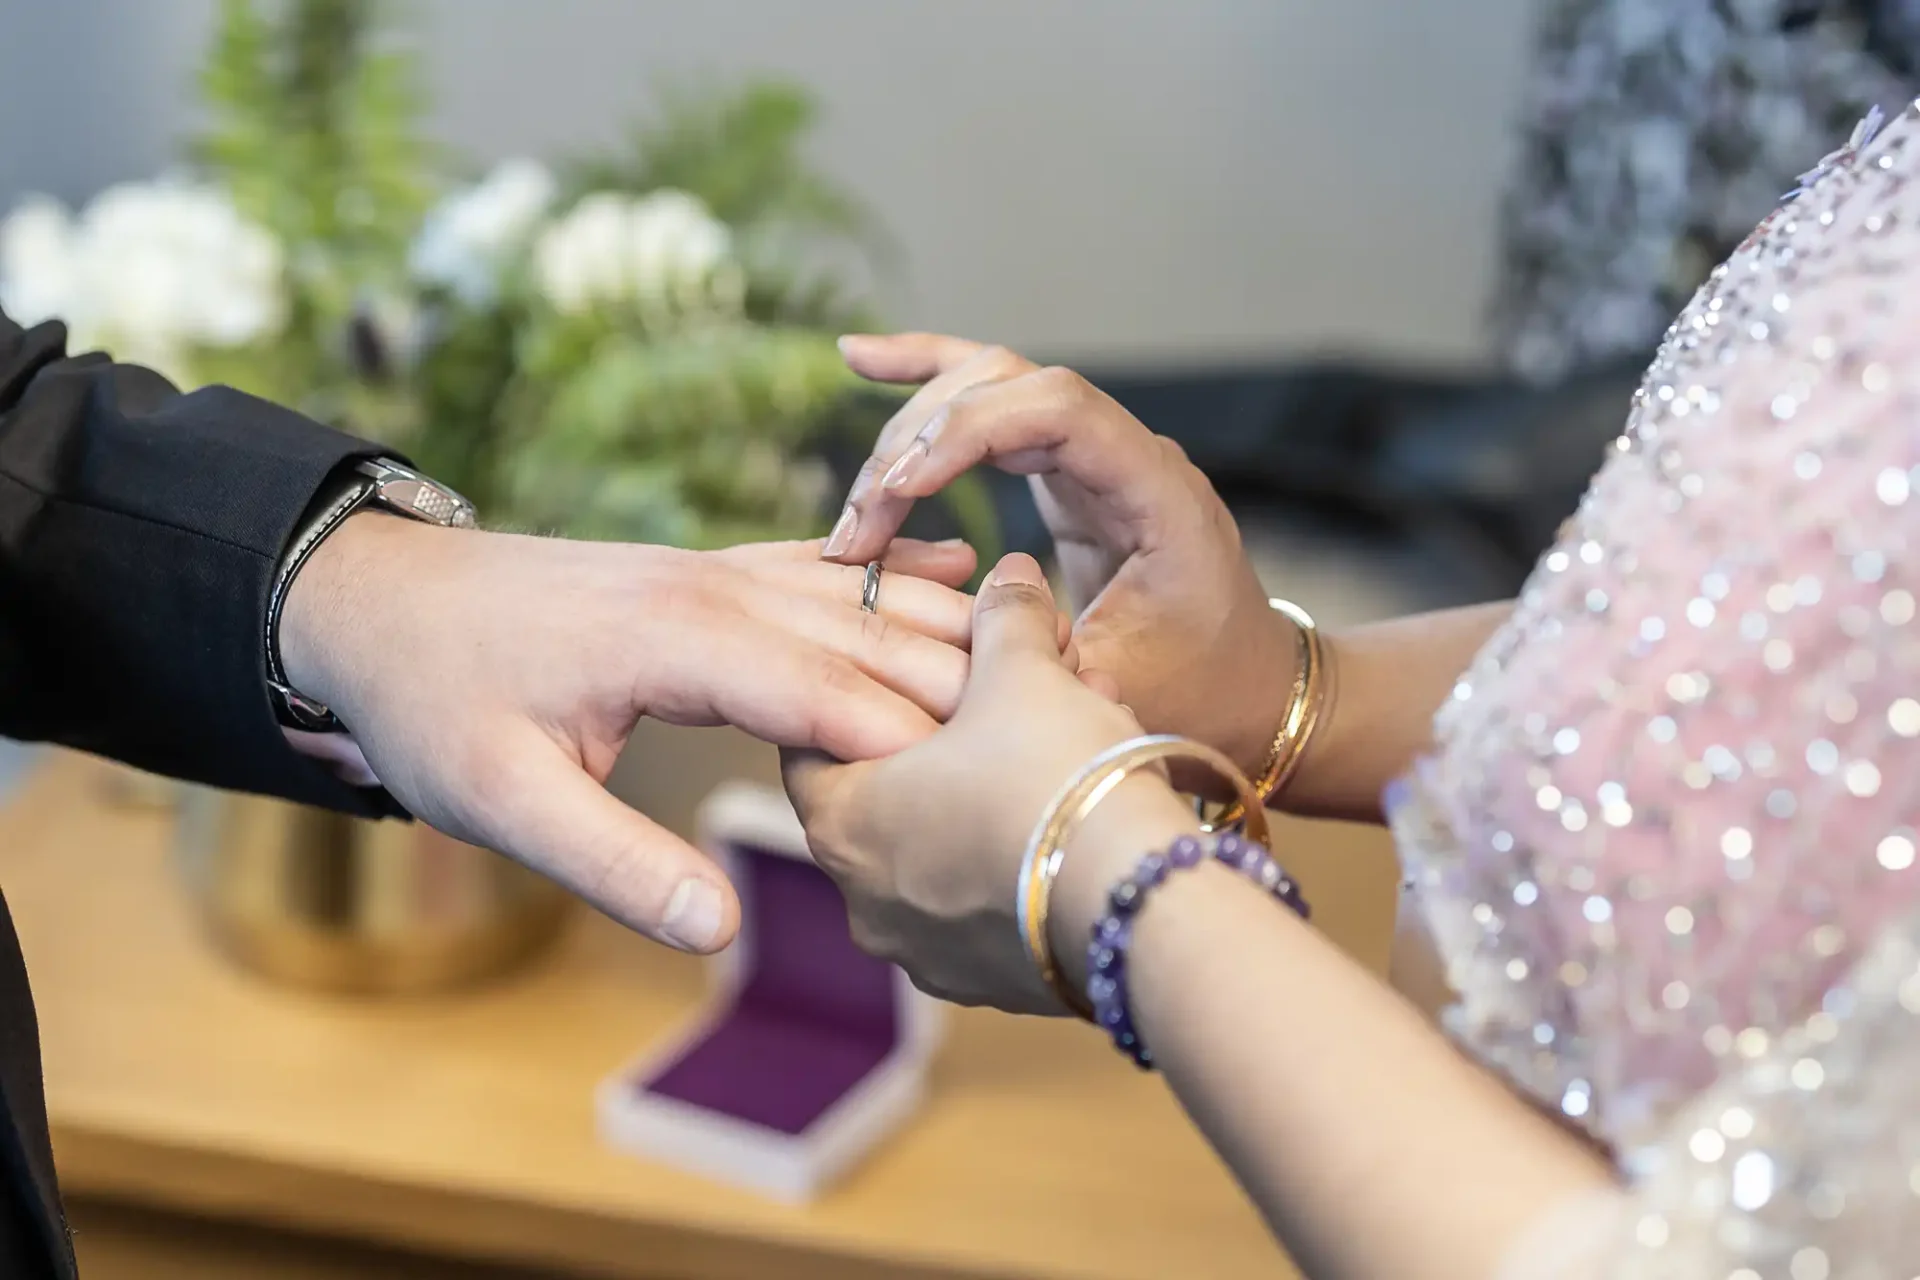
[[1173, 611], [490, 681], [927, 844]]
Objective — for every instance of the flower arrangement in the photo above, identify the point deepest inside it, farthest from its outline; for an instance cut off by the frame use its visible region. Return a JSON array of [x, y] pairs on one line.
[[152, 271], [636, 345]]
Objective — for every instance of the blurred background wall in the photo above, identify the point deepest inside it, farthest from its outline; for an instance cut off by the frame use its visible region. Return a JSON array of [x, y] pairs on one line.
[[1093, 179]]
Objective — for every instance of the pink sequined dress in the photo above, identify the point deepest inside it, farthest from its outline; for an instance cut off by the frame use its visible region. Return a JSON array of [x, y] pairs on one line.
[[1666, 841]]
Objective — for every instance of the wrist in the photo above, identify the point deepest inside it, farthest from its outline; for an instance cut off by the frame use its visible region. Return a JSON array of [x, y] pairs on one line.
[[1283, 717], [326, 601], [1143, 814], [370, 484], [1333, 772], [1296, 794], [1265, 696]]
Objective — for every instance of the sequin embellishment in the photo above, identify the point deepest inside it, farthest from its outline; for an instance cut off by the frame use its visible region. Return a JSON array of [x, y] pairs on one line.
[[1675, 798]]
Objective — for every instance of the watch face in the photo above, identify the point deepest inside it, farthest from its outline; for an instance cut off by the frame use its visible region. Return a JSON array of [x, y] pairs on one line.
[[427, 501]]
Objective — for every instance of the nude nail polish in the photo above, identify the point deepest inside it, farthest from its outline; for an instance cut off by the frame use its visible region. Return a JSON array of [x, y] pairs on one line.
[[843, 530], [904, 466]]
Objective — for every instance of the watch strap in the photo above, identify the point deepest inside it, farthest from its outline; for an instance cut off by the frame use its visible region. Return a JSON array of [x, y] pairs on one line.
[[368, 483], [344, 495]]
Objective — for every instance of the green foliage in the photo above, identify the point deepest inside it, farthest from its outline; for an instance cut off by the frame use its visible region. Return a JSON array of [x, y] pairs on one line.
[[743, 153], [696, 439], [313, 130], [699, 429], [462, 380]]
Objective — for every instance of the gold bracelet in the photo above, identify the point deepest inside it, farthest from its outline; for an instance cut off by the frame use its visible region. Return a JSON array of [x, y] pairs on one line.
[[1311, 678], [1071, 806]]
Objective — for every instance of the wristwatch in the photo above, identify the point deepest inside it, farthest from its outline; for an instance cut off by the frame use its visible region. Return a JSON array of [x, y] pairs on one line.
[[372, 484]]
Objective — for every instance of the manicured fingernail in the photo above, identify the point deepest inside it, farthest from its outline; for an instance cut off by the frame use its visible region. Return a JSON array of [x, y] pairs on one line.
[[692, 921], [905, 465], [936, 424], [843, 530]]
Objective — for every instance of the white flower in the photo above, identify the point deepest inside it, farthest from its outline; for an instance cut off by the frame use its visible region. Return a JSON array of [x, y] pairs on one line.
[[149, 272], [468, 239], [37, 267], [581, 260], [657, 250], [676, 244]]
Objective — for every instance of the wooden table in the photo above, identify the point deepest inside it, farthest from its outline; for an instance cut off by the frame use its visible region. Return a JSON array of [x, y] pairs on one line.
[[185, 1094]]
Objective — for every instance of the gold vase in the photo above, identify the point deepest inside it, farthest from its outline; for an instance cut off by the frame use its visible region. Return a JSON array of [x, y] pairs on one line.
[[320, 900]]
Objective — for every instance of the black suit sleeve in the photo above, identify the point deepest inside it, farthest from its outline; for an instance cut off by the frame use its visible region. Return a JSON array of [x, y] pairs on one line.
[[139, 532]]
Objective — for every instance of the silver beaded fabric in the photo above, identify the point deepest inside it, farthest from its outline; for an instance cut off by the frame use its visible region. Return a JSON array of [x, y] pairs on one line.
[[1666, 838]]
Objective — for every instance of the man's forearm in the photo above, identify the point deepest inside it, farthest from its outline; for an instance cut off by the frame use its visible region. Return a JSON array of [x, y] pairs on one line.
[[1390, 678]]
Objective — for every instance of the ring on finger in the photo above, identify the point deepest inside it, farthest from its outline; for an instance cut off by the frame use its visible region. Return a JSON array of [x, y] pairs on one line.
[[870, 589]]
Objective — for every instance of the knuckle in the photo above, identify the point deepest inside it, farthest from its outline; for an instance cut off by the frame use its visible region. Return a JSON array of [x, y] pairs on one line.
[[1226, 530], [830, 842], [866, 934], [1003, 362], [829, 853], [1064, 384], [996, 357]]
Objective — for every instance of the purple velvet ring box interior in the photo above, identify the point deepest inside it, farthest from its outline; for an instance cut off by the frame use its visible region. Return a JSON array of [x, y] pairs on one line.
[[808, 1053]]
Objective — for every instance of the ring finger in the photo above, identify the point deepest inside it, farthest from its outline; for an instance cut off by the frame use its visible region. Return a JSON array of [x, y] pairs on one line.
[[950, 563], [928, 671], [927, 608]]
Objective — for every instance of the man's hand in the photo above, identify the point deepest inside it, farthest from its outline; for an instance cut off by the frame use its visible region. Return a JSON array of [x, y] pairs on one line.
[[491, 680]]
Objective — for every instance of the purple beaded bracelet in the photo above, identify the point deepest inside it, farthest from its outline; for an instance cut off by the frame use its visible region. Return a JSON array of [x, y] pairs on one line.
[[1113, 932]]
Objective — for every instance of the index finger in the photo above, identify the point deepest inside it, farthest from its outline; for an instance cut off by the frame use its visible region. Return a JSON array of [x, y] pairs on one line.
[[905, 357], [871, 516]]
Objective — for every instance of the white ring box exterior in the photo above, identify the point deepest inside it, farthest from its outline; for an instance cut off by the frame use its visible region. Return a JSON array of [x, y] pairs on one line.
[[714, 1100]]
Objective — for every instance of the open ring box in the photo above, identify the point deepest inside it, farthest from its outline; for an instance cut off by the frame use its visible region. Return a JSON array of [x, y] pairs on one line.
[[807, 1053]]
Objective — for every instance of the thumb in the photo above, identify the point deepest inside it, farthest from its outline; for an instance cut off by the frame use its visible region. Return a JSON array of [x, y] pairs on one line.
[[557, 820], [1013, 618]]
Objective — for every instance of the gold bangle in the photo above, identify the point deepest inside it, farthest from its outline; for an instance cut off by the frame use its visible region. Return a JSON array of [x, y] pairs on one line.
[[1311, 678], [1071, 806]]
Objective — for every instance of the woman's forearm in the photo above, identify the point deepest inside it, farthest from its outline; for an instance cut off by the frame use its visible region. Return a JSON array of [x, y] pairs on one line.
[[1389, 679], [1371, 1146]]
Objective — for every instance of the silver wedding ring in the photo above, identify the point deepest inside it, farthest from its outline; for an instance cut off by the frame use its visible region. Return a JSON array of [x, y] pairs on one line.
[[870, 589]]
